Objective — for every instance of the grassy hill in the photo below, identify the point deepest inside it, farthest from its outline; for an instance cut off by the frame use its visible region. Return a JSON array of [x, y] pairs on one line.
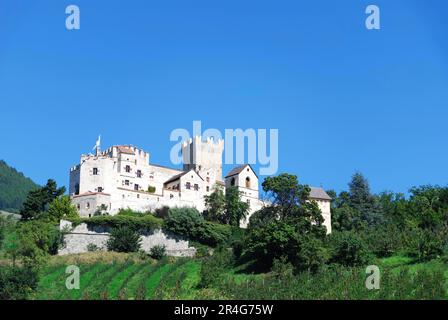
[[14, 187], [128, 279]]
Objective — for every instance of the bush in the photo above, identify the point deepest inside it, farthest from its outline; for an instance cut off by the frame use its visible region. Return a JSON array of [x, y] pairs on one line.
[[214, 267], [285, 238], [189, 222], [17, 283], [349, 249], [157, 252], [142, 222], [151, 189], [124, 239], [91, 247], [427, 245], [162, 213]]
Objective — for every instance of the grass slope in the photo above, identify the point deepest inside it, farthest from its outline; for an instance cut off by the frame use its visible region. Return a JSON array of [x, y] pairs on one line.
[[122, 280]]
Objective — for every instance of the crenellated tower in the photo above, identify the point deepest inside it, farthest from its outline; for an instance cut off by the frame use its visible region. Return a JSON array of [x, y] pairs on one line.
[[205, 157]]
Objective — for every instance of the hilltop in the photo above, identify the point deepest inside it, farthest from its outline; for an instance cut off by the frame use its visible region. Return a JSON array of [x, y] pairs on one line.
[[14, 187]]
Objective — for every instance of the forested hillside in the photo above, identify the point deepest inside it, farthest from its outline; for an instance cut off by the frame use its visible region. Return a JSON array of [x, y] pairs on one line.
[[14, 187]]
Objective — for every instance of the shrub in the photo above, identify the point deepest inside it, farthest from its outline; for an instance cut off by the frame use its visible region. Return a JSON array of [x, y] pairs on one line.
[[427, 245], [349, 249], [158, 252], [17, 283], [124, 239], [151, 189], [189, 222], [162, 212], [144, 222], [91, 247], [214, 267]]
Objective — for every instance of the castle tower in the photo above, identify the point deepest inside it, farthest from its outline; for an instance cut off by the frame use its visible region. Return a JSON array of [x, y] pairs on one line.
[[205, 157]]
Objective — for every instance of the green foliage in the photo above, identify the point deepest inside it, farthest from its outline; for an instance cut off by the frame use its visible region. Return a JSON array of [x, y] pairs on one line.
[[349, 249], [157, 252], [101, 210], [134, 221], [214, 266], [124, 239], [427, 244], [91, 247], [151, 189], [32, 242], [189, 222], [14, 187], [215, 205], [337, 282], [61, 208], [37, 201], [286, 194], [286, 239], [236, 210], [17, 283], [228, 208], [291, 227]]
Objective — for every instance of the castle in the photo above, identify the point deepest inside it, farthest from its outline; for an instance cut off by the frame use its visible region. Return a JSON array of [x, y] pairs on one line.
[[123, 177]]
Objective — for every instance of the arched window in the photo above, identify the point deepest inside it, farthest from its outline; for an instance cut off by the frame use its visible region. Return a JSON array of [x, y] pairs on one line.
[[247, 182], [232, 182]]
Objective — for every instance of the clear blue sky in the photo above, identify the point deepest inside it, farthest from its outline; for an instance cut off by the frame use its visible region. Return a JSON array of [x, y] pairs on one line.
[[343, 98]]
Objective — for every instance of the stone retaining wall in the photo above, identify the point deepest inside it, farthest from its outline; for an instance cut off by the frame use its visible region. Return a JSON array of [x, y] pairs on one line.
[[78, 238]]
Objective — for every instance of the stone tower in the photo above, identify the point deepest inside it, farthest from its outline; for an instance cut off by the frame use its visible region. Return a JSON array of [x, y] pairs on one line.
[[205, 157]]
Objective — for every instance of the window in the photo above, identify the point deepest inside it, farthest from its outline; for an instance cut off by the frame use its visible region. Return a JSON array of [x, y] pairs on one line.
[[127, 169], [100, 189], [247, 182], [139, 173], [196, 187], [208, 188], [88, 205], [188, 185], [126, 182], [136, 187], [138, 196], [78, 206], [77, 188], [95, 171], [208, 179], [248, 201], [232, 182]]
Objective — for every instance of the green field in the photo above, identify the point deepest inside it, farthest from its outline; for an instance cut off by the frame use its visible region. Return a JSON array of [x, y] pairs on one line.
[[123, 280], [109, 276]]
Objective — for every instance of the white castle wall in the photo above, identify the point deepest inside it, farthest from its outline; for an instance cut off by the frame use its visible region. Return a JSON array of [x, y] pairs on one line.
[[79, 237]]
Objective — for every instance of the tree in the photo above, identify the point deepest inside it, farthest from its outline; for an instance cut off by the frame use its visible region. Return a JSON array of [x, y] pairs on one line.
[[215, 204], [363, 201], [124, 239], [38, 200], [349, 249], [292, 227], [286, 194], [235, 209], [61, 208]]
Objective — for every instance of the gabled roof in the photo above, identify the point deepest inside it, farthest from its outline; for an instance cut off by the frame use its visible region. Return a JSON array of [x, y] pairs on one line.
[[239, 169], [180, 175], [319, 193]]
